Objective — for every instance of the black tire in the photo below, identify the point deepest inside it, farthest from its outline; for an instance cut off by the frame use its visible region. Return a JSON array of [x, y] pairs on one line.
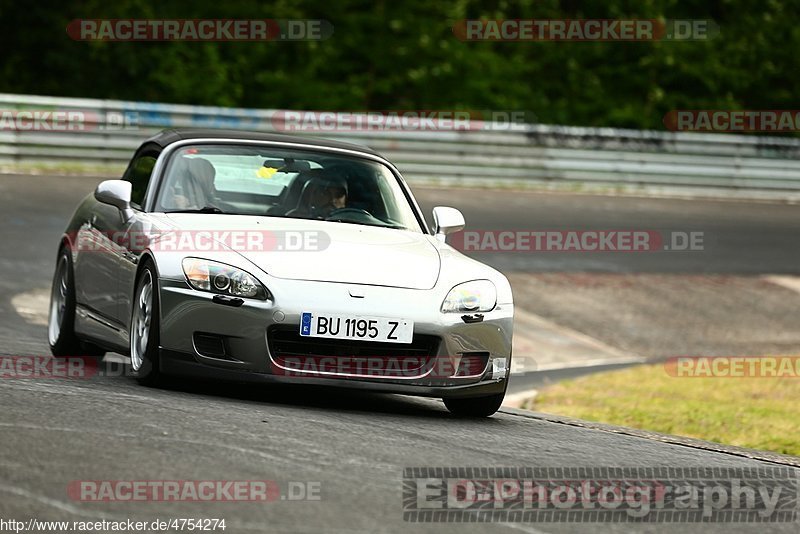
[[63, 341], [148, 372], [475, 406]]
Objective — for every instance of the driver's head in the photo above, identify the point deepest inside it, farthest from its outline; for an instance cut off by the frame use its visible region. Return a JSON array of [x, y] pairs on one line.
[[203, 172], [327, 193]]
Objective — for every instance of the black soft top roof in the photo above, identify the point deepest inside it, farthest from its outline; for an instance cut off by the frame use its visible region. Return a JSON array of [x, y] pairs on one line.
[[167, 137]]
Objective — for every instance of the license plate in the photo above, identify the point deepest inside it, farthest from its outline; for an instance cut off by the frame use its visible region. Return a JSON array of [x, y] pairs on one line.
[[357, 327]]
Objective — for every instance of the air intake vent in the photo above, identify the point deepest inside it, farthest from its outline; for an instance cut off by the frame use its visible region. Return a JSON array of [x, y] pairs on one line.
[[472, 364], [210, 345], [351, 358]]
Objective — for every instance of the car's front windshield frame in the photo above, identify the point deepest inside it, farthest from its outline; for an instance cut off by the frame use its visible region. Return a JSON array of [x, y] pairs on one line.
[[401, 191]]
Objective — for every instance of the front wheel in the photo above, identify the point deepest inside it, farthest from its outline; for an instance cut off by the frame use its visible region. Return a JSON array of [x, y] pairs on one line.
[[144, 329], [475, 406]]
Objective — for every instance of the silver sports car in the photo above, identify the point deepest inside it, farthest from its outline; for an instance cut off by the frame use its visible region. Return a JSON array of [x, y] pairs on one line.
[[249, 256]]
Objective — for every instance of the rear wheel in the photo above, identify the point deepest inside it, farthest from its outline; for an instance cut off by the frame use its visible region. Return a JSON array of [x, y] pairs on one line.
[[61, 321], [144, 329], [475, 406]]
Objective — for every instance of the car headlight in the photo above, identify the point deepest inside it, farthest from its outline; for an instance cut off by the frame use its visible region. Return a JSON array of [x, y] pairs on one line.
[[471, 297], [207, 275]]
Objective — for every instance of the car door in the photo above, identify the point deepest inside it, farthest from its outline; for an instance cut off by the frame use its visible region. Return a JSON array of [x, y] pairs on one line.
[[96, 263], [129, 240]]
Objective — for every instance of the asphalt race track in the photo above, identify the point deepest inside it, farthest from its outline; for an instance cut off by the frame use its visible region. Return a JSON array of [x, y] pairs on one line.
[[355, 445]]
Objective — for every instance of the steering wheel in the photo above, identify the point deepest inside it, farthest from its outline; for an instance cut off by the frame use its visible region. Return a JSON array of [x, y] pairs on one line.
[[347, 211]]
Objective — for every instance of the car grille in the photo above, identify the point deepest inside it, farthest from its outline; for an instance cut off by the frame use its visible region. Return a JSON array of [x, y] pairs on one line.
[[299, 355]]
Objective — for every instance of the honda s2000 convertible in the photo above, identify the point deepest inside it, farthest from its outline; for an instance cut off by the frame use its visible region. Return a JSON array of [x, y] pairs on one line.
[[270, 258]]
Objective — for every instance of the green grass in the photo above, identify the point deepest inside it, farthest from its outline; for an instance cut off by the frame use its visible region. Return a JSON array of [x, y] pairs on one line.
[[758, 413]]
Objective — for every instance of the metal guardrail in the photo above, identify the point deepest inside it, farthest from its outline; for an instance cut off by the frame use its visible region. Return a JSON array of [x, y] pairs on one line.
[[542, 156]]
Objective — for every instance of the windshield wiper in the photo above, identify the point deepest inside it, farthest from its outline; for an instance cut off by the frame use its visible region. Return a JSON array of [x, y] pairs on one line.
[[206, 209], [381, 224]]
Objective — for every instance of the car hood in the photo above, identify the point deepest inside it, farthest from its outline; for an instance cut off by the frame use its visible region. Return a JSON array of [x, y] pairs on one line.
[[300, 249]]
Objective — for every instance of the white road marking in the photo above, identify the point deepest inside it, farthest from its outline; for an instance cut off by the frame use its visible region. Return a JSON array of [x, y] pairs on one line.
[[599, 362], [54, 503], [543, 345], [202, 444], [516, 400], [523, 528], [32, 306], [789, 282]]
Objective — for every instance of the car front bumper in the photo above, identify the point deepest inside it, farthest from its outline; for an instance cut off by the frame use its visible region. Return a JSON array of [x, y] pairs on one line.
[[186, 312]]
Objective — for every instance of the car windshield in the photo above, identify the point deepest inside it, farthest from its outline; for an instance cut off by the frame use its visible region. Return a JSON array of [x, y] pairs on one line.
[[279, 182]]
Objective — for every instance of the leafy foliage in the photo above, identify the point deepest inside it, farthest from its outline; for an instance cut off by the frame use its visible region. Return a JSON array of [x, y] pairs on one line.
[[403, 55]]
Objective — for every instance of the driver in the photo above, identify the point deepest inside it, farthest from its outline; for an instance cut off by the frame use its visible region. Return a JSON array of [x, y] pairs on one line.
[[194, 187], [321, 196]]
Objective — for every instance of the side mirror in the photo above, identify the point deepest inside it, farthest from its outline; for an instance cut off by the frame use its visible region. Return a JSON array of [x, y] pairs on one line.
[[115, 193], [447, 221]]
